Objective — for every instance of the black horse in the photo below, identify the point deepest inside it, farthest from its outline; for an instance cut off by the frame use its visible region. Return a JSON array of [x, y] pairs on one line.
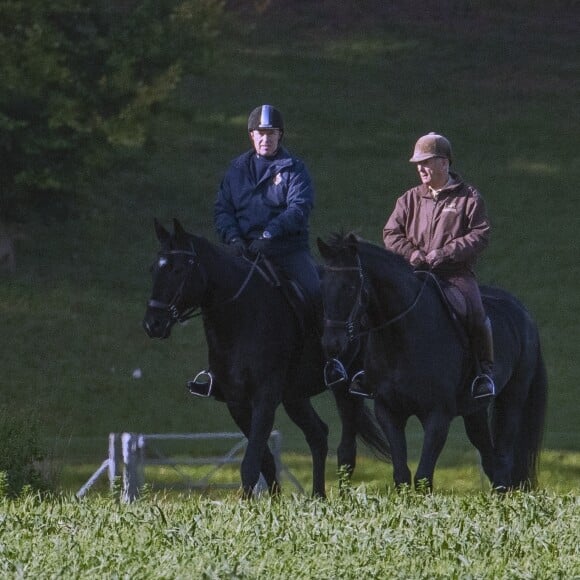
[[261, 352], [418, 358]]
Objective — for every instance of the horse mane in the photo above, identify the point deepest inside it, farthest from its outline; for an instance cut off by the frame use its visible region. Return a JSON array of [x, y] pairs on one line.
[[369, 252]]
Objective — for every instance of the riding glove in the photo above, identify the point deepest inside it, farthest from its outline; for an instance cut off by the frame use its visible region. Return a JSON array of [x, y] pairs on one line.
[[238, 246], [260, 246]]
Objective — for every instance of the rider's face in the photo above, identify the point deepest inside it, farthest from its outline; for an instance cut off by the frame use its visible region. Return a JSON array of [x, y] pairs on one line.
[[266, 141], [434, 172]]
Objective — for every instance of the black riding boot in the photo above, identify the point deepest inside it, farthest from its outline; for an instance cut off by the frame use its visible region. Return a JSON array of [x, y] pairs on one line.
[[483, 385], [360, 387]]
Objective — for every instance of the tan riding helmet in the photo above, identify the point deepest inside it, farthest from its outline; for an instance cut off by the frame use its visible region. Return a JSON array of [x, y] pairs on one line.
[[431, 145]]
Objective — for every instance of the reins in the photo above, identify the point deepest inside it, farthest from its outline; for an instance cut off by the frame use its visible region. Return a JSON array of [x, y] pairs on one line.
[[172, 308], [350, 323]]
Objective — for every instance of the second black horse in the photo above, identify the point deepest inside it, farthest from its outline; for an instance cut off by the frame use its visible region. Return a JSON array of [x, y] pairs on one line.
[[418, 359]]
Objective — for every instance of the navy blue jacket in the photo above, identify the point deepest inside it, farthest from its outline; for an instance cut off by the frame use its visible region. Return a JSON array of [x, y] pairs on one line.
[[280, 202]]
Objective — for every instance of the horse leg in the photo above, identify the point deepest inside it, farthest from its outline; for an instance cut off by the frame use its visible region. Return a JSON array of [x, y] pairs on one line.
[[506, 427], [477, 429], [315, 431], [394, 428], [242, 415], [346, 451], [435, 431]]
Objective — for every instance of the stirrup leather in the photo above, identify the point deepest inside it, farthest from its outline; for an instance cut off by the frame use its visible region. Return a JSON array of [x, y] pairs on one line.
[[202, 384], [334, 373]]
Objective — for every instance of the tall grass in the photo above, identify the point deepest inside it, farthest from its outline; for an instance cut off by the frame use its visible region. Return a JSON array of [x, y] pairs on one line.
[[360, 534]]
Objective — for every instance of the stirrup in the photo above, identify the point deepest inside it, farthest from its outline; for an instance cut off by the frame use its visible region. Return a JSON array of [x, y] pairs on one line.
[[202, 384], [482, 386], [360, 392], [334, 373]]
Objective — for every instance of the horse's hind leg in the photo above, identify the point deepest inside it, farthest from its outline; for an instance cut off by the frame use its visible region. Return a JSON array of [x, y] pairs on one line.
[[506, 427], [315, 431], [242, 415], [478, 432]]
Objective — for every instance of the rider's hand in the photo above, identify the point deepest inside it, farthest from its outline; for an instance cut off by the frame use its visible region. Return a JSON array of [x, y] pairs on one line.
[[418, 259], [434, 258], [238, 246], [260, 246]]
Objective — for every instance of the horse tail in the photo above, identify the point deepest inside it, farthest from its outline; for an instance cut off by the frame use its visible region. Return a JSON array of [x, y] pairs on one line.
[[369, 430], [356, 420], [530, 436]]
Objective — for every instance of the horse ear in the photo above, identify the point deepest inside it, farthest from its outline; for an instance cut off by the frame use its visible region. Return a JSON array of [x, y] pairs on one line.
[[162, 234], [324, 248], [352, 239], [178, 228], [352, 242]]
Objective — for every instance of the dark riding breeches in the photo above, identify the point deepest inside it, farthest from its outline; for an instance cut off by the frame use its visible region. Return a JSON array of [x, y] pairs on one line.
[[300, 266]]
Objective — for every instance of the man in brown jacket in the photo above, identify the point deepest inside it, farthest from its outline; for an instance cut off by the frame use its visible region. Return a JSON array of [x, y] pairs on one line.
[[442, 225]]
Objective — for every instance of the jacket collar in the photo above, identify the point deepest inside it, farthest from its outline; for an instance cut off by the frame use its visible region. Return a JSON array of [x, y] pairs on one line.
[[453, 186], [282, 159]]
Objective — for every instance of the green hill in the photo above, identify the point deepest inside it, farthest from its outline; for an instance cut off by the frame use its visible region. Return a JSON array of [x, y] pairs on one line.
[[355, 95]]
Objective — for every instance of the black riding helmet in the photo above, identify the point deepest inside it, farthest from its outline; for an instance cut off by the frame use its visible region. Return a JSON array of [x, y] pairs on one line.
[[265, 117]]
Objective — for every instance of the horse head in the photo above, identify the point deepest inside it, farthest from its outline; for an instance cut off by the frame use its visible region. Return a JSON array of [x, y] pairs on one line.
[[344, 293], [178, 282]]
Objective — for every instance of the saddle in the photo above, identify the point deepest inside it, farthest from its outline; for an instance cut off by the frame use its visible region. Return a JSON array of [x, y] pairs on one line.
[[455, 303]]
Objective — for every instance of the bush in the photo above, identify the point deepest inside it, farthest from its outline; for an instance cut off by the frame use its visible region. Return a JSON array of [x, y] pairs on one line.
[[20, 449]]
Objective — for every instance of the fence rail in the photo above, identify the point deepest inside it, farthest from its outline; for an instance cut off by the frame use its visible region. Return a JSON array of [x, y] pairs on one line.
[[127, 459]]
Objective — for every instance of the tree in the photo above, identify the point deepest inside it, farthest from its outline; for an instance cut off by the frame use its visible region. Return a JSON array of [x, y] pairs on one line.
[[81, 77]]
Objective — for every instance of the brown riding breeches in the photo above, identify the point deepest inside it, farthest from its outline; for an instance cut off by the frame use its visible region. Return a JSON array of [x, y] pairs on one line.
[[467, 285]]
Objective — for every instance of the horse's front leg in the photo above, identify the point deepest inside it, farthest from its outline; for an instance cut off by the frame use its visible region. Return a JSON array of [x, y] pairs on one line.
[[254, 462], [263, 413], [435, 430], [346, 450], [394, 428]]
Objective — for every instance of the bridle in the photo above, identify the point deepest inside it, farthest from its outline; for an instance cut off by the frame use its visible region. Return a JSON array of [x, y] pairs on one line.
[[354, 319], [172, 307], [354, 325]]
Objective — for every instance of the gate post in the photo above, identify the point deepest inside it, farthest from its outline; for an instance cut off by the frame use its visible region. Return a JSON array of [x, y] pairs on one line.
[[112, 460], [133, 451]]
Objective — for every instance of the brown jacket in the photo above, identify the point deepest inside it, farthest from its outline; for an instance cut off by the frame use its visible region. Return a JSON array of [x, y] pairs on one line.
[[456, 223]]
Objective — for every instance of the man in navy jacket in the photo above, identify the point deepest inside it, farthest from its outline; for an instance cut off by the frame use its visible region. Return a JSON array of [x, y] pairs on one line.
[[264, 202]]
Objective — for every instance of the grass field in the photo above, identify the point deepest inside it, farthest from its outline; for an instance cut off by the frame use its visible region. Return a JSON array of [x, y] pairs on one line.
[[504, 90], [359, 534]]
